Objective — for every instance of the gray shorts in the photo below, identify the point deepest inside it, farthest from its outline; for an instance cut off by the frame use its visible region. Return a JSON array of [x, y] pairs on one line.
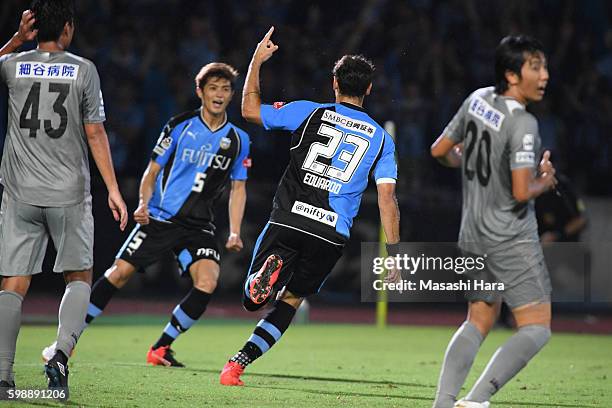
[[25, 231], [520, 267]]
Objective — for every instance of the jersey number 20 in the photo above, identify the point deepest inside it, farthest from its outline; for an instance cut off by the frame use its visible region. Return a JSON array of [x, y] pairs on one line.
[[483, 154], [328, 150], [31, 105]]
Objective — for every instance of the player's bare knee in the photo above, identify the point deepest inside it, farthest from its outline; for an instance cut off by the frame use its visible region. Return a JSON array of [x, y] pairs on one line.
[[291, 299], [119, 274], [206, 285], [483, 316], [17, 284], [533, 314], [82, 276]]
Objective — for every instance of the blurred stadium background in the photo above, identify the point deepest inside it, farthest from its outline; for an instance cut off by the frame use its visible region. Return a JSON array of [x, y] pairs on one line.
[[429, 55]]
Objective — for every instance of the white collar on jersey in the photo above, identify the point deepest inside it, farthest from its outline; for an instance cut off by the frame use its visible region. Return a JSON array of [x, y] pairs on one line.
[[512, 104]]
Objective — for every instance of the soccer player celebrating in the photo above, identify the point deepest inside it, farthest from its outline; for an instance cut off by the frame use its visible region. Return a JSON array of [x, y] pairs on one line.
[[196, 155], [55, 112], [335, 147], [501, 179]]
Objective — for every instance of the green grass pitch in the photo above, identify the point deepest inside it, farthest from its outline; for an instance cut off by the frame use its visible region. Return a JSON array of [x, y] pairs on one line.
[[316, 365]]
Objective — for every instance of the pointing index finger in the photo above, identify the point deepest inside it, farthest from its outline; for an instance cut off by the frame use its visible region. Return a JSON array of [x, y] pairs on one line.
[[269, 34]]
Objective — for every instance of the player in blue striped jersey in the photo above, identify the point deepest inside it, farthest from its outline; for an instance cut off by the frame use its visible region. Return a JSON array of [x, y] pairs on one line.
[[198, 153], [335, 149]]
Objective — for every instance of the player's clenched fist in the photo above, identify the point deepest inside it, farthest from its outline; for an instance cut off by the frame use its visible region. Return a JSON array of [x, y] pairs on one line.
[[141, 215], [547, 170], [234, 243], [265, 48]]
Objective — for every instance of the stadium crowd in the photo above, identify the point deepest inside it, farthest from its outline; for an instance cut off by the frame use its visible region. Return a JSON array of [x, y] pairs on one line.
[[428, 53]]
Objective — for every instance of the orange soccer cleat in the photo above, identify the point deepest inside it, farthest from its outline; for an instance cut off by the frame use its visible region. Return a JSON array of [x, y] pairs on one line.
[[163, 356], [262, 283], [231, 374]]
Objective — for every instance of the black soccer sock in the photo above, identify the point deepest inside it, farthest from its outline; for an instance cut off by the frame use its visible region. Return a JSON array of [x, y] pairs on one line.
[[101, 293], [267, 333], [184, 315]]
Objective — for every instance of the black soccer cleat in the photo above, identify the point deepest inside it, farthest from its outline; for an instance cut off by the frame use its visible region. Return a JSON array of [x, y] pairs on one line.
[[56, 371], [5, 386]]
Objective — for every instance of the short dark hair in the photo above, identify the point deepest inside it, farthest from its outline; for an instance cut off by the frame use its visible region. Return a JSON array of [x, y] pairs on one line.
[[510, 55], [51, 17], [354, 74], [216, 70]]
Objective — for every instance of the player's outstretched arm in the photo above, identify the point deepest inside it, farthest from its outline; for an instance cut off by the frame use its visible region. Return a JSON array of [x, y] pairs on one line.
[[100, 150], [147, 185], [23, 34], [526, 187], [236, 205], [251, 94], [447, 152]]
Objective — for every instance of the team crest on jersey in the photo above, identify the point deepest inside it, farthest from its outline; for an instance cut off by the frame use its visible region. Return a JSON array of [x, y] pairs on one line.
[[163, 144], [166, 142], [247, 163], [528, 142], [278, 105], [225, 143]]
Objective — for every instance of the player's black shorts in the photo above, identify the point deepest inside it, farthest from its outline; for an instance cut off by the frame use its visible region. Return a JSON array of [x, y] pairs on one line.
[[307, 260], [149, 243]]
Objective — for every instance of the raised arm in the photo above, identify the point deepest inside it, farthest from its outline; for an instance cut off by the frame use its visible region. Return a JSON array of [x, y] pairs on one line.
[[236, 205], [251, 95], [100, 150], [23, 34]]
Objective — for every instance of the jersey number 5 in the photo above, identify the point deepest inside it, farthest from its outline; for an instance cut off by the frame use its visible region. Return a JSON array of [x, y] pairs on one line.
[[483, 156], [198, 183], [328, 150], [31, 105]]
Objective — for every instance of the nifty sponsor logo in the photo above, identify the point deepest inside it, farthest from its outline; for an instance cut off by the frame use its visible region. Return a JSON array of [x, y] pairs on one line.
[[315, 213], [488, 115], [28, 69], [348, 123]]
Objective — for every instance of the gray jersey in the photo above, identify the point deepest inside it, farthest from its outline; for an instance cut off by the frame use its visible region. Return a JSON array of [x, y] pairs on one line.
[[498, 136], [51, 96]]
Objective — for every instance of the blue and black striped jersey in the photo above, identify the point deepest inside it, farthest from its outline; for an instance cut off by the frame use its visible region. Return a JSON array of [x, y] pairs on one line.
[[196, 166], [335, 149]]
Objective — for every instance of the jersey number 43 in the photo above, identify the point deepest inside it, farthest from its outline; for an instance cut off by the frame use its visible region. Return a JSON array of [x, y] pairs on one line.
[[32, 103]]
